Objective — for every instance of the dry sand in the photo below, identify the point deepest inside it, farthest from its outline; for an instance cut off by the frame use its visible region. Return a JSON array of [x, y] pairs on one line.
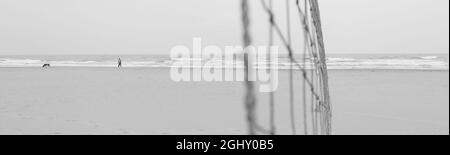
[[146, 101]]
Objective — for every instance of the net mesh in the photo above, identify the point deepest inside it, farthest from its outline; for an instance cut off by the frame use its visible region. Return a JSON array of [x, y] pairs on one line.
[[307, 61]]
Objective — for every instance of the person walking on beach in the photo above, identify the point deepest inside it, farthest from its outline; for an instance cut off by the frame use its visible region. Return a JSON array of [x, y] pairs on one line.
[[119, 63]]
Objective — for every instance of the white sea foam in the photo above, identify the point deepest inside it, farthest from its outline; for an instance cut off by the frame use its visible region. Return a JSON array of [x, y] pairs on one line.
[[380, 62], [429, 57], [341, 59]]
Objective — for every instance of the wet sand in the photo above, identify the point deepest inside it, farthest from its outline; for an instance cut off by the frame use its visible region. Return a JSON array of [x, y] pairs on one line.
[[146, 101]]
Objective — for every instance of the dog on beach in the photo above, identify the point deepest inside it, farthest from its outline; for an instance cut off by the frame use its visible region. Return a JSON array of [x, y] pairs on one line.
[[46, 65]]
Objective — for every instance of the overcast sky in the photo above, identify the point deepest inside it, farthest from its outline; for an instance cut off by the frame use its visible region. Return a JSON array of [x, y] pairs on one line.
[[155, 26]]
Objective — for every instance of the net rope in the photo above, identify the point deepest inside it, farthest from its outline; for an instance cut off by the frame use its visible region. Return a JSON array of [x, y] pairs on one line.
[[315, 78]]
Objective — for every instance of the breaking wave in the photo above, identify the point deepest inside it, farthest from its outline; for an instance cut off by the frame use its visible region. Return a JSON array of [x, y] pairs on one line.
[[392, 62]]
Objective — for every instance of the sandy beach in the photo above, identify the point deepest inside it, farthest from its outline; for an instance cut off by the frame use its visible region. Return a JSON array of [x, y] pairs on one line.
[[146, 101]]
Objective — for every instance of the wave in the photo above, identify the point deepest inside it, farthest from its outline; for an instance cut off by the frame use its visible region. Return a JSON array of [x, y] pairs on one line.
[[20, 61], [341, 59], [335, 63], [429, 57]]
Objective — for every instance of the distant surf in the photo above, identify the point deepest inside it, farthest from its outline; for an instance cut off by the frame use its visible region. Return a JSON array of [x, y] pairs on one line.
[[334, 62]]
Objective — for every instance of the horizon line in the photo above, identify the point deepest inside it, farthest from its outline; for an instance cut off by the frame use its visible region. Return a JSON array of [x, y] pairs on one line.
[[134, 54]]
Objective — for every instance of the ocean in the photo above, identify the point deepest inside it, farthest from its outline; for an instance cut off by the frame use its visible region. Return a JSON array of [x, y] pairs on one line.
[[334, 61]]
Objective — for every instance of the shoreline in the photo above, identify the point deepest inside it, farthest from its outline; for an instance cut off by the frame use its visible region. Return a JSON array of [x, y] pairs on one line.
[[297, 70]]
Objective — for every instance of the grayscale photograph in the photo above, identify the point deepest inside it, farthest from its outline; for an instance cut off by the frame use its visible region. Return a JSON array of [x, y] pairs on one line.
[[224, 67]]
